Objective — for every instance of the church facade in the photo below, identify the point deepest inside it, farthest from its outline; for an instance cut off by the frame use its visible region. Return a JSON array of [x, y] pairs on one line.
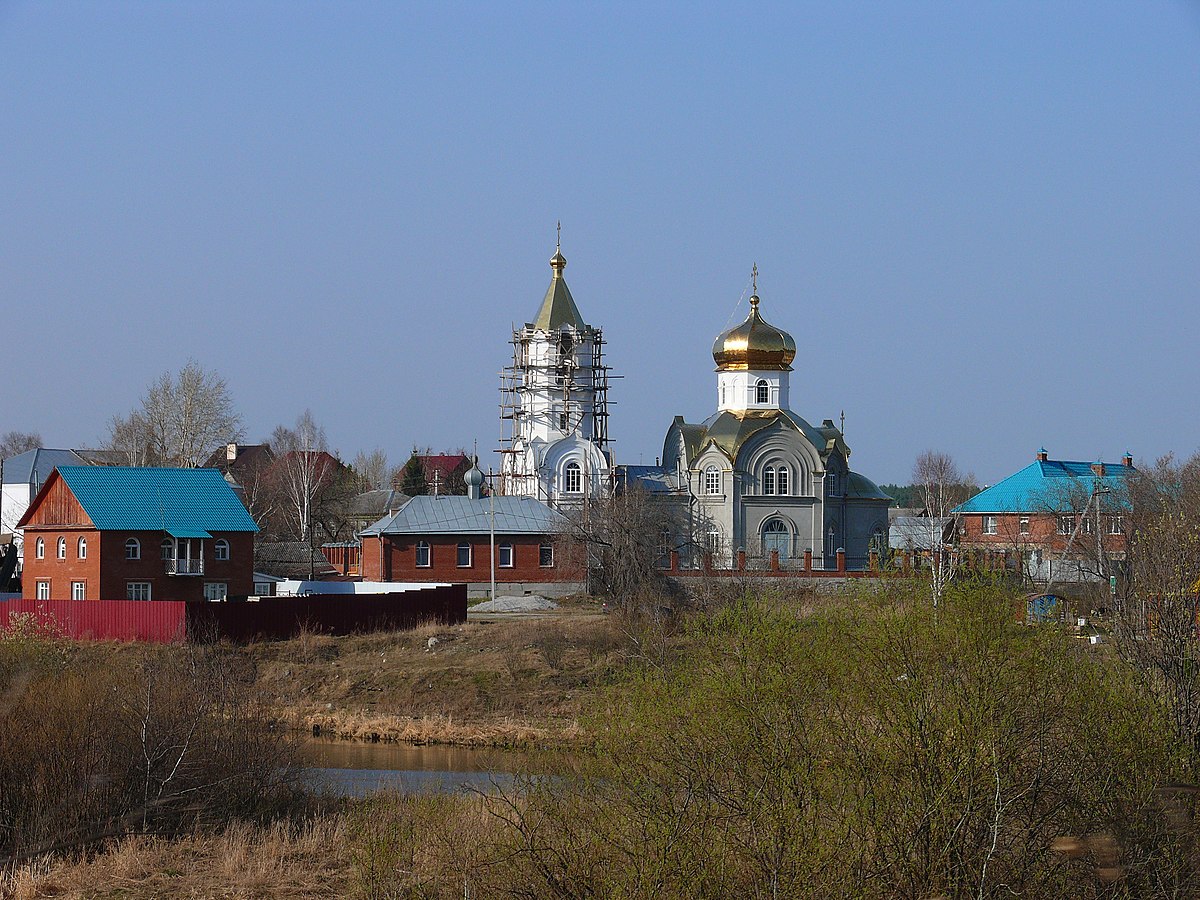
[[757, 478], [554, 405]]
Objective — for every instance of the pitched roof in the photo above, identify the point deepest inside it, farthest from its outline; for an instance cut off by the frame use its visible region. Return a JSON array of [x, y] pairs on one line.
[[1049, 485], [558, 307], [651, 479], [466, 515], [179, 501], [34, 466]]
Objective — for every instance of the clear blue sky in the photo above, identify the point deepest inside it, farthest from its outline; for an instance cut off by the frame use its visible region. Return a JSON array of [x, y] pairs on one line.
[[981, 222]]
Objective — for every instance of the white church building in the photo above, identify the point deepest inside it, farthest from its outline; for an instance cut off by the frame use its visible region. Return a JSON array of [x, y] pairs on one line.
[[760, 481], [554, 405]]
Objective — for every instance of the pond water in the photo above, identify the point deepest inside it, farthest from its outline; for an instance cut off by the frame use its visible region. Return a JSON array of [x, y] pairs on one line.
[[350, 769]]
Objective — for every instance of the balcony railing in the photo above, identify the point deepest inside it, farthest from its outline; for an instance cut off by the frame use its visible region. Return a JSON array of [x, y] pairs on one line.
[[185, 566]]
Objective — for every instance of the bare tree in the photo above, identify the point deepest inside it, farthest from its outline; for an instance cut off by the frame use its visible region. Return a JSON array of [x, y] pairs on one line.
[[372, 470], [13, 443], [625, 539], [1157, 605], [941, 486], [303, 455], [180, 420]]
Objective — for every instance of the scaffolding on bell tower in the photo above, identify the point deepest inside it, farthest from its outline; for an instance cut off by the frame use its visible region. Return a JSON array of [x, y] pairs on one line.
[[556, 386]]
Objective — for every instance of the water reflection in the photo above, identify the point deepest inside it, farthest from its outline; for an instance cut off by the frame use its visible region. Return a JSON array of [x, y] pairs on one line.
[[351, 769]]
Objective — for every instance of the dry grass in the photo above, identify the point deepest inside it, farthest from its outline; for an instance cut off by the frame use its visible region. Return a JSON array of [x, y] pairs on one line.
[[280, 861], [505, 683]]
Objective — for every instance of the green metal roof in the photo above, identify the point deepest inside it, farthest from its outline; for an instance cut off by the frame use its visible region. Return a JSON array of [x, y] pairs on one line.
[[558, 307], [181, 502]]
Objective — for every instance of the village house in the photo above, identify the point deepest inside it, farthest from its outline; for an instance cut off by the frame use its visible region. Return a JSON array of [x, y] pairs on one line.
[[1055, 519], [123, 533]]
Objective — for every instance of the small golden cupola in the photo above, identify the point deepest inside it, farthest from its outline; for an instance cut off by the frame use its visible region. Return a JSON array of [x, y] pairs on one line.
[[754, 345]]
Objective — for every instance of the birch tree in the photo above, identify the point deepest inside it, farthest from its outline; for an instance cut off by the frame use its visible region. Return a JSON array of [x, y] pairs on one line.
[[179, 421], [941, 486]]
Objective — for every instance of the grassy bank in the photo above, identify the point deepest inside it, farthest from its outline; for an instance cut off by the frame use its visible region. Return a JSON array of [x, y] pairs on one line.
[[507, 683]]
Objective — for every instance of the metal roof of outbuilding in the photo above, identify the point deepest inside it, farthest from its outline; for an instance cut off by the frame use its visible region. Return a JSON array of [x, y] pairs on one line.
[[178, 501], [466, 515]]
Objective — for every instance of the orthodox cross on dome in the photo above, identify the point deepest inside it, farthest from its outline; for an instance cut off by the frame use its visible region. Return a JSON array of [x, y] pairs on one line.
[[754, 286], [558, 240]]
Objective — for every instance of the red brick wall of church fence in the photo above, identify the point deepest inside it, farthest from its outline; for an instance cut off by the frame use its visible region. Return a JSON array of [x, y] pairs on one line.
[[396, 560], [268, 618]]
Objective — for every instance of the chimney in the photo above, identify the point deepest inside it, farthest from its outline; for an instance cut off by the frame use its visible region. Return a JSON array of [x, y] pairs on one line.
[[230, 452], [1098, 468], [1042, 455], [1127, 460]]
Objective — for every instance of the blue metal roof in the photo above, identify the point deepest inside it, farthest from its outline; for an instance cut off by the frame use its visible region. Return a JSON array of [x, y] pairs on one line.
[[1049, 485], [178, 501], [466, 515], [33, 467]]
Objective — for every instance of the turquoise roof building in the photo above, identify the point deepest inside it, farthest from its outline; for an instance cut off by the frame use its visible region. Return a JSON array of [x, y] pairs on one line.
[[1049, 485], [184, 503]]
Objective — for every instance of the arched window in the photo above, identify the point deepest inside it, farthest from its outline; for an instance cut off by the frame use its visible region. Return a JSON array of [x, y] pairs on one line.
[[81, 548], [782, 485], [221, 549], [762, 391], [776, 537], [39, 549], [62, 548], [712, 481], [712, 541], [768, 480], [166, 550], [464, 555], [831, 541], [423, 555], [506, 556], [133, 549], [573, 478]]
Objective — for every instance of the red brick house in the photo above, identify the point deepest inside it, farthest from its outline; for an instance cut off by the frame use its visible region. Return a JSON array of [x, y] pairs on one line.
[[1057, 519], [121, 533], [449, 539]]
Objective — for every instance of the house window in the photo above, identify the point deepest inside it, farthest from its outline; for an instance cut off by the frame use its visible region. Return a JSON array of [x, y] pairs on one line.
[[782, 483], [167, 549], [62, 548], [713, 541], [422, 555], [43, 590], [137, 590], [762, 391], [506, 556], [215, 590], [78, 590], [81, 548], [712, 481], [1023, 525], [562, 421], [546, 556], [1115, 525], [768, 480], [464, 555], [573, 478], [1085, 525], [221, 550], [39, 549], [989, 524], [133, 549], [1066, 524]]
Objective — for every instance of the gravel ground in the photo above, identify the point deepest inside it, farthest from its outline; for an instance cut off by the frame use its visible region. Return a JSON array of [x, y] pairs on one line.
[[527, 603]]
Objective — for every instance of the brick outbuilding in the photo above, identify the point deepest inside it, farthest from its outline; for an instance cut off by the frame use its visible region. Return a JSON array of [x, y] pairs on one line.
[[123, 533], [449, 539]]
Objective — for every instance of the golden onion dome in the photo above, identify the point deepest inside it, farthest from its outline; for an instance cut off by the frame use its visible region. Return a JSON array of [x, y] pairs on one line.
[[754, 344]]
